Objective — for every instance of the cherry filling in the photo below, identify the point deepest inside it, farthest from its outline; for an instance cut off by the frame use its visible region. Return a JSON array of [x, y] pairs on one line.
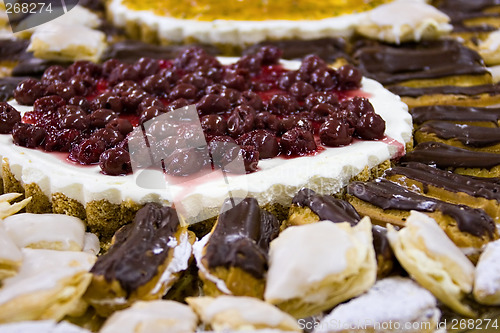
[[253, 109]]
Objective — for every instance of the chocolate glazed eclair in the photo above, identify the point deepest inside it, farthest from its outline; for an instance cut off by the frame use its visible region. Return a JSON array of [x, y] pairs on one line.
[[143, 262], [233, 258], [387, 202], [310, 207], [448, 186], [458, 160]]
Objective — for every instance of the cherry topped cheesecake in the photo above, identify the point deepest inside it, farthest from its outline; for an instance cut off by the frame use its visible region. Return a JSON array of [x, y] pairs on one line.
[[292, 124]]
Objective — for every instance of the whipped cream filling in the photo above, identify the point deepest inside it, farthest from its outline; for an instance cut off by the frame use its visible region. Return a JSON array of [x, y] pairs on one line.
[[232, 31], [276, 181], [198, 255], [179, 262]]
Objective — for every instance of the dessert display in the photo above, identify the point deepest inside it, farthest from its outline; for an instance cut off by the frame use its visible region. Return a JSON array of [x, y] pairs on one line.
[[152, 317], [233, 258], [143, 262], [290, 285], [487, 117], [335, 215], [432, 259], [391, 300], [228, 313]]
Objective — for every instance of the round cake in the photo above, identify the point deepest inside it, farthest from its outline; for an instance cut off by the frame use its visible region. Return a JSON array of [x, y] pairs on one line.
[[237, 22], [88, 192]]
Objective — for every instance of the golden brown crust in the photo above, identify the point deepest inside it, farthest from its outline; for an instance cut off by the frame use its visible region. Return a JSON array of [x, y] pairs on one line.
[[455, 80], [10, 183], [61, 204], [39, 203], [239, 282]]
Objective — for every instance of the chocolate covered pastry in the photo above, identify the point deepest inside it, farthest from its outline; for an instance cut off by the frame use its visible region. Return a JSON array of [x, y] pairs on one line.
[[387, 202], [462, 161], [476, 138], [448, 186], [478, 116], [309, 207], [143, 262], [424, 65], [233, 258]]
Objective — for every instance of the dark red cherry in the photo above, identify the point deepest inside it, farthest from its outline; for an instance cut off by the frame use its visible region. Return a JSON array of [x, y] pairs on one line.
[[335, 133]]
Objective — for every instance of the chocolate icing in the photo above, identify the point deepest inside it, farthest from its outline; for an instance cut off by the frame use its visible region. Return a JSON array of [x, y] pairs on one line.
[[139, 248], [241, 237], [329, 49], [430, 176], [34, 67], [131, 50], [466, 6], [7, 86], [13, 49], [388, 195], [428, 60], [473, 136], [446, 156], [327, 207], [491, 89], [454, 113]]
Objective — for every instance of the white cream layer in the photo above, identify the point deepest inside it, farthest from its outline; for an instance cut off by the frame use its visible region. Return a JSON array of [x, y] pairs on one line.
[[276, 181]]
